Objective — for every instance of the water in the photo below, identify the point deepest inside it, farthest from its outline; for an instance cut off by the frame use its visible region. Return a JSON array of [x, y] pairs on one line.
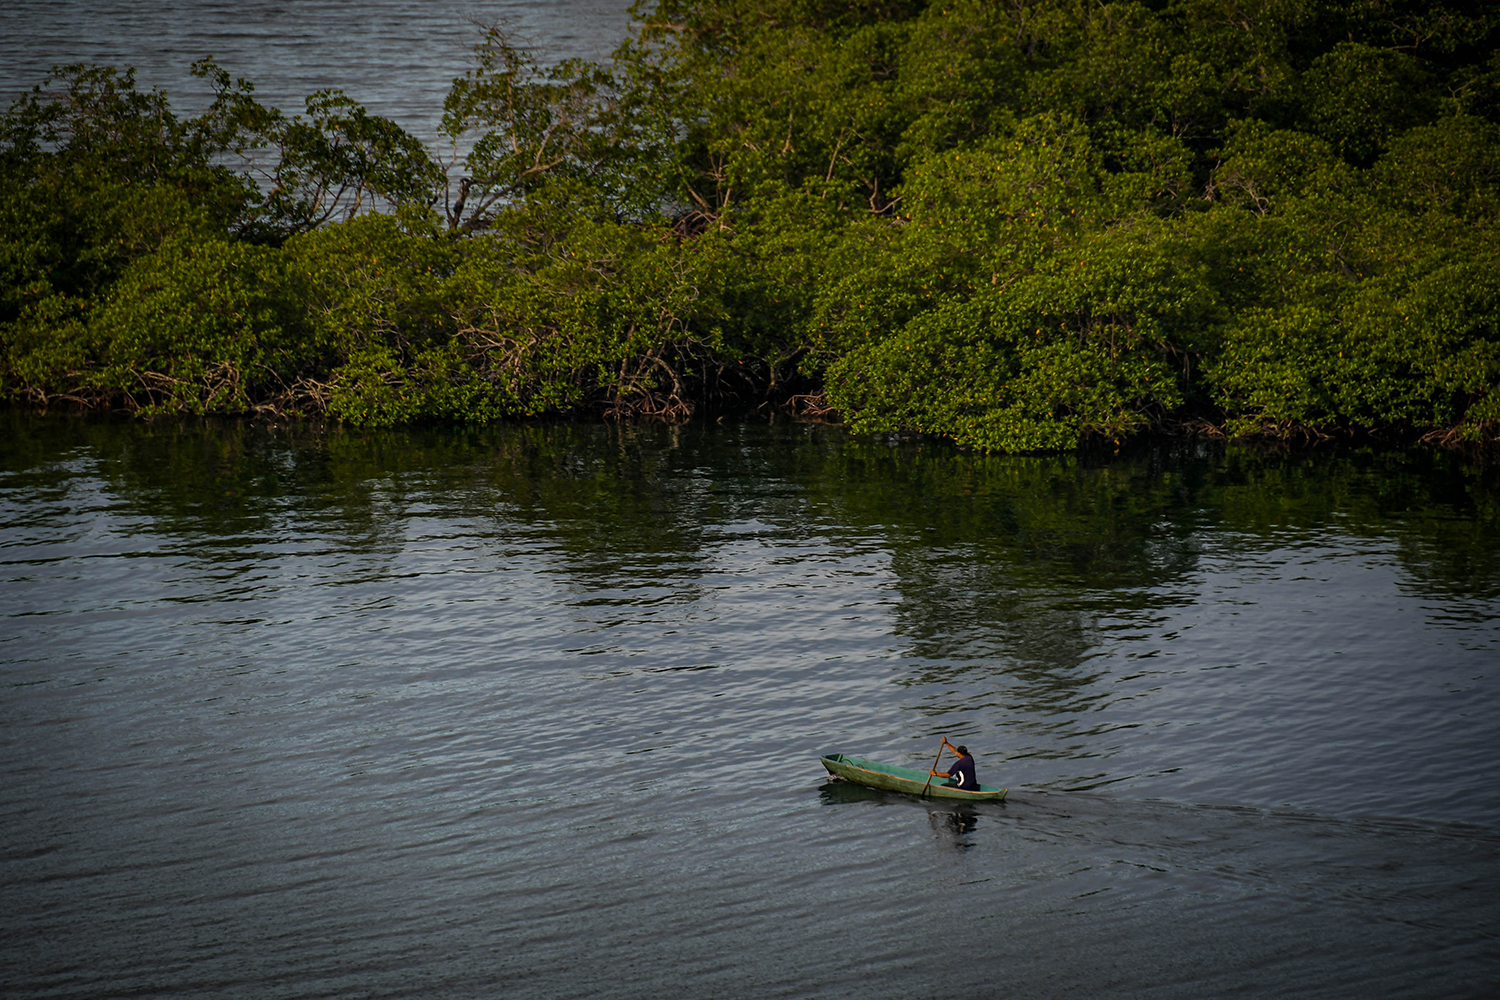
[[535, 711], [397, 57]]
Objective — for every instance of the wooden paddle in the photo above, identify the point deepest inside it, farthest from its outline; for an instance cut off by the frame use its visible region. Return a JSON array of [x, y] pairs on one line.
[[934, 767]]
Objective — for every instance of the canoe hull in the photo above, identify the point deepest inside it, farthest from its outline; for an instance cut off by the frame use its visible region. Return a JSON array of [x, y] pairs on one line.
[[904, 779]]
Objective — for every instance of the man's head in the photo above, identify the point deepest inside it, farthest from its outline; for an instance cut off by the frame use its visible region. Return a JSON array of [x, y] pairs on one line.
[[963, 751]]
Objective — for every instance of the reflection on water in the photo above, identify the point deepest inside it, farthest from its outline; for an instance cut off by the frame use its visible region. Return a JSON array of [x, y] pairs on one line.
[[1144, 619], [833, 793], [413, 712], [954, 823]]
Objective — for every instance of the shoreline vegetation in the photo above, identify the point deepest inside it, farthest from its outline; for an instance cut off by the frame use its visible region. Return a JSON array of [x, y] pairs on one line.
[[1018, 226]]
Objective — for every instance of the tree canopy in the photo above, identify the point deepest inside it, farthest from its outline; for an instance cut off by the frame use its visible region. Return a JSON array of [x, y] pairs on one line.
[[1016, 225]]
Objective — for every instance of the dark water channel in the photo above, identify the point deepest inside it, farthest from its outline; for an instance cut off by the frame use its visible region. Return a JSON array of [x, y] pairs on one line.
[[536, 712]]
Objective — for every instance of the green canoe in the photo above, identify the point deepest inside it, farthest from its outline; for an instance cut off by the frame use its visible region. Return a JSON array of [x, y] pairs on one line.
[[904, 779]]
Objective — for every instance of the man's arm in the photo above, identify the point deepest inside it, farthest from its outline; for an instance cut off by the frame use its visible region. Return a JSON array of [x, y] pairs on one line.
[[951, 749]]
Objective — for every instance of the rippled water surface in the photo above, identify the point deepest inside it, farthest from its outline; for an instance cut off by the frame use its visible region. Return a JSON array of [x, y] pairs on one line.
[[537, 711], [397, 57]]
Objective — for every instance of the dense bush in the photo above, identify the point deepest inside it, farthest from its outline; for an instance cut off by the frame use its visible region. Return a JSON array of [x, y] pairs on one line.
[[1017, 226]]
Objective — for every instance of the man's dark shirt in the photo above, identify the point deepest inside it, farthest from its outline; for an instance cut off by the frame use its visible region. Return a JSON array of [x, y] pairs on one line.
[[962, 771]]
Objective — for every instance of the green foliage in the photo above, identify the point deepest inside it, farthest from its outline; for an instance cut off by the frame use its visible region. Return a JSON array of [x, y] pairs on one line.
[[528, 124], [124, 269], [1358, 97], [1405, 350], [200, 326], [1018, 226], [1073, 348], [550, 311], [1450, 168], [94, 173], [335, 163]]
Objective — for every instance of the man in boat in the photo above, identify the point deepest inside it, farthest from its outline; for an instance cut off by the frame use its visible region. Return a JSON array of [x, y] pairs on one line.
[[960, 773]]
